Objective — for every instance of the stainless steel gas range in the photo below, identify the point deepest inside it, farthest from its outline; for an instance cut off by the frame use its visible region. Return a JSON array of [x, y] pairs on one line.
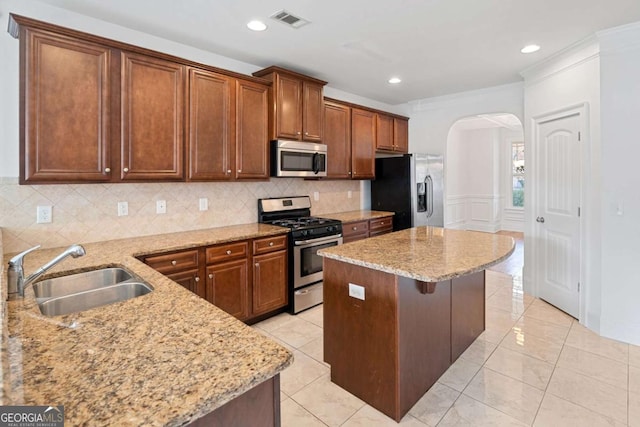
[[307, 236]]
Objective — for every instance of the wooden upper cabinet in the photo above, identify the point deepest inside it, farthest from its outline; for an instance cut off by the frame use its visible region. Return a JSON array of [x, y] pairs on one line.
[[363, 140], [252, 126], [65, 103], [384, 132], [296, 111], [152, 93], [210, 124], [401, 134], [337, 136]]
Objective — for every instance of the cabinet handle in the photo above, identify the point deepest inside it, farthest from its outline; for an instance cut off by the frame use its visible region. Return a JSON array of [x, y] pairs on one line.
[[270, 243], [174, 262], [125, 170], [210, 275], [197, 279], [228, 251], [107, 170]]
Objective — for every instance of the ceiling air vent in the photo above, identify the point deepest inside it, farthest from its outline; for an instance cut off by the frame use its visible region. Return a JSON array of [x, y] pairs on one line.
[[289, 19]]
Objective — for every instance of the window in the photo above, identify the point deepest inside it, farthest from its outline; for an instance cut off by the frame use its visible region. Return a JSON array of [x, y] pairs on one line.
[[517, 174]]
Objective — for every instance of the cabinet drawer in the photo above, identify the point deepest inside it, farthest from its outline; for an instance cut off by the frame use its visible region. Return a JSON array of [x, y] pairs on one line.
[[354, 237], [269, 244], [380, 225], [177, 261], [352, 228], [227, 252]]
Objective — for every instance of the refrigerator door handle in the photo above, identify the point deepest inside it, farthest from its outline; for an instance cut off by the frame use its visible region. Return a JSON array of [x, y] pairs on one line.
[[429, 185]]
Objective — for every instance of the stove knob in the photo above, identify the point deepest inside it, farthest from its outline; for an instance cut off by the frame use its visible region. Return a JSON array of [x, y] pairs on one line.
[[305, 232]]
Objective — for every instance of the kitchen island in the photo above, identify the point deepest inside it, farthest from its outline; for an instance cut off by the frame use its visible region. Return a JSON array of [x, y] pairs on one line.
[[400, 308], [167, 358]]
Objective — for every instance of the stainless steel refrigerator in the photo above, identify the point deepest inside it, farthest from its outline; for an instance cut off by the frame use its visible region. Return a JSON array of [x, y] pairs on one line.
[[411, 186]]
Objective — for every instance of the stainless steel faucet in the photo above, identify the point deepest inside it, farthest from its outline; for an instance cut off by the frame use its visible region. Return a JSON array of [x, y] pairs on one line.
[[15, 274]]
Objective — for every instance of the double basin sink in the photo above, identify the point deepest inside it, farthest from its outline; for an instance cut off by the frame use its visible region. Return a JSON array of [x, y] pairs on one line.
[[84, 291]]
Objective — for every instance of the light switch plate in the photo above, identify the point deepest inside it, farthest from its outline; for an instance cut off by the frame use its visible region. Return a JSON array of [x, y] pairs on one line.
[[44, 215], [316, 196], [123, 208], [203, 204], [356, 291], [161, 206], [349, 194]]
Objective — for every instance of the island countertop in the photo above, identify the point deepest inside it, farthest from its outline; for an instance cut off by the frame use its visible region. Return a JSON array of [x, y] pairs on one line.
[[165, 358], [428, 254]]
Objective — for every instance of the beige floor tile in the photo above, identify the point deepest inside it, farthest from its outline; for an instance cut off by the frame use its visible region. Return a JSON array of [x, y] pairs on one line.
[[283, 396], [301, 373], [594, 366], [513, 397], [634, 409], [497, 324], [507, 302], [469, 412], [634, 355], [368, 416], [315, 349], [297, 333], [542, 329], [600, 397], [556, 412], [531, 345], [294, 415], [542, 311], [275, 322], [584, 339], [314, 315], [328, 402], [521, 367], [479, 351], [434, 404], [634, 379], [491, 287], [459, 374], [271, 337]]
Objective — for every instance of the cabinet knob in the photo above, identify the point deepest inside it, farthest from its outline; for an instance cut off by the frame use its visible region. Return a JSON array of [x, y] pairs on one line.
[[125, 170], [239, 170], [354, 228], [107, 170], [174, 262], [306, 133], [298, 133], [257, 264], [228, 171], [228, 251], [197, 279], [381, 222], [270, 243], [210, 276]]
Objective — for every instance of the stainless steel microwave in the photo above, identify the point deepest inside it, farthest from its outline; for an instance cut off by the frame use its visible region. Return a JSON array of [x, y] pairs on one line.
[[298, 159]]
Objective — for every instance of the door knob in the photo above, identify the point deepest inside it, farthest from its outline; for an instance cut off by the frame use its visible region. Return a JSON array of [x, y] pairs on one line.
[[540, 219]]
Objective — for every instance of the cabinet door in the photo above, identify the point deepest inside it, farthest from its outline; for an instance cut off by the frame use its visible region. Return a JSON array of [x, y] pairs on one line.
[[227, 287], [269, 282], [190, 280], [288, 107], [252, 121], [363, 139], [66, 97], [210, 125], [312, 112], [152, 118], [337, 136], [384, 132], [401, 135]]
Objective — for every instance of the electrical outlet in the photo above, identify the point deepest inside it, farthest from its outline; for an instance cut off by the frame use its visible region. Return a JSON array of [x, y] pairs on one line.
[[161, 206], [203, 204], [316, 196], [356, 291], [44, 215], [349, 194], [123, 208]]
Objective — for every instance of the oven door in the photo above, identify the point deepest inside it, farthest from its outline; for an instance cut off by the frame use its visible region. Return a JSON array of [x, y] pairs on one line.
[[307, 264]]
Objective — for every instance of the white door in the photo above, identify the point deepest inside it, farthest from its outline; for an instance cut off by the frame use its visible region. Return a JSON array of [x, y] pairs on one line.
[[557, 216]]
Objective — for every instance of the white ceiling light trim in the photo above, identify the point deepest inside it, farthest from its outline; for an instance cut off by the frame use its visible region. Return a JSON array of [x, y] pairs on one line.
[[395, 80], [256, 25], [530, 48]]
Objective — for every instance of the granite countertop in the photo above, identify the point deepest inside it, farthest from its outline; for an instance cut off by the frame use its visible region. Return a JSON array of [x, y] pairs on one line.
[[165, 358], [353, 216], [429, 254]]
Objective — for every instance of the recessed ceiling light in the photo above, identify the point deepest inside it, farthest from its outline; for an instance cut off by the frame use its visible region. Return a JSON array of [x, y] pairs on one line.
[[395, 80], [530, 48], [257, 25]]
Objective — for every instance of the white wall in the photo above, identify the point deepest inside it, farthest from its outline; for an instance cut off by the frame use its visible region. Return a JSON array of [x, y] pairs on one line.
[[620, 106], [570, 78]]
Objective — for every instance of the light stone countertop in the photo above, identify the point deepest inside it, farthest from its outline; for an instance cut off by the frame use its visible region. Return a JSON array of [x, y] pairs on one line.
[[165, 358], [429, 254], [362, 215]]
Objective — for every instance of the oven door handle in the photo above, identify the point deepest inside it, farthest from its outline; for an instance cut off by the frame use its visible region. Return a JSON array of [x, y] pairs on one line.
[[318, 240]]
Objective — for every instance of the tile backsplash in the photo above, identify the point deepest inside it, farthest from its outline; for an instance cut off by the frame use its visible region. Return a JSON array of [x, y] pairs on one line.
[[89, 213]]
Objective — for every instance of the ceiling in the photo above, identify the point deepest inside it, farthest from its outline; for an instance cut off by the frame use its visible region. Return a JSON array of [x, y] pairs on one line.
[[436, 47]]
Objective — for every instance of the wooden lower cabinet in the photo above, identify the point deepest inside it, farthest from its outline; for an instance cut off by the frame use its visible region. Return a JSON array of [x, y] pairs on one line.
[[358, 230], [227, 287], [191, 280], [259, 407], [269, 282]]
